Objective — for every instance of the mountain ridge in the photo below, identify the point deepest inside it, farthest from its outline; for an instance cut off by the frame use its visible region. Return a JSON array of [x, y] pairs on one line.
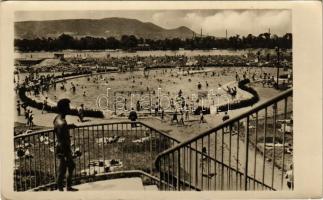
[[105, 27]]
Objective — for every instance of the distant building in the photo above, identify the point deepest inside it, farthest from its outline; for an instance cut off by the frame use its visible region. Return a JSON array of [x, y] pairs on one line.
[[143, 46], [28, 61]]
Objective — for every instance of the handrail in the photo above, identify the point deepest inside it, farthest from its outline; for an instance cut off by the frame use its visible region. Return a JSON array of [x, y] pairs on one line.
[[160, 132], [98, 124], [225, 165], [155, 158], [228, 122], [32, 173], [33, 133], [179, 165]]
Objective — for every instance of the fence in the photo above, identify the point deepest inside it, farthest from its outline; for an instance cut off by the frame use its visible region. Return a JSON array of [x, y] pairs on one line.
[[98, 149], [248, 152]]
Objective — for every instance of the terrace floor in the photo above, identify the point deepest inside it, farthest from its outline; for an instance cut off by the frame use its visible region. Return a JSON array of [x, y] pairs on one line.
[[120, 184]]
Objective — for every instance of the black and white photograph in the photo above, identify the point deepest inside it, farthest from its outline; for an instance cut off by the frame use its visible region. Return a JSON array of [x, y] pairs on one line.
[[153, 100]]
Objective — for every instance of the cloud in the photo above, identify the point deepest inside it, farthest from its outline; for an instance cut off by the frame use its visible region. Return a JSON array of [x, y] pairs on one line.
[[240, 22]]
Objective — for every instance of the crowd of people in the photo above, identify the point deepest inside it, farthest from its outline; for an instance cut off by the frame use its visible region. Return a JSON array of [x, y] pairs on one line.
[[126, 63], [181, 108], [37, 83], [131, 62], [28, 113]]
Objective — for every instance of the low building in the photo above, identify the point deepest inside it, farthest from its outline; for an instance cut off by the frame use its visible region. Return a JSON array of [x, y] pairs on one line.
[[143, 46]]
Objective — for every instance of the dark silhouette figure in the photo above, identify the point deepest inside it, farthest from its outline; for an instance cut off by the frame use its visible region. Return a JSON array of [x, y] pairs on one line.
[[133, 117], [63, 147]]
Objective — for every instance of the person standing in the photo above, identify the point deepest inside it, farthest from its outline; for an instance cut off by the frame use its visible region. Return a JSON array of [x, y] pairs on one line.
[[225, 118], [27, 116], [181, 119], [18, 108], [162, 114], [44, 105], [73, 87], [205, 164], [81, 112], [156, 109], [201, 117], [63, 147], [290, 177], [138, 106], [30, 119], [174, 117], [133, 118], [125, 104], [187, 112]]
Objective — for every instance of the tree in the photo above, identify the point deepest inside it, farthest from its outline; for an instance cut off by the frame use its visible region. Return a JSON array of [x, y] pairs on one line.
[[128, 42], [112, 43], [64, 41]]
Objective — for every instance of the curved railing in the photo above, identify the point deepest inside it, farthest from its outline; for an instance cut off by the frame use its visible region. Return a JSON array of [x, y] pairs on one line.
[[213, 160], [228, 156], [99, 149]]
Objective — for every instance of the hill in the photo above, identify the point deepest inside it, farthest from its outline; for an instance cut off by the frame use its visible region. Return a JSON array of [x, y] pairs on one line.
[[115, 27]]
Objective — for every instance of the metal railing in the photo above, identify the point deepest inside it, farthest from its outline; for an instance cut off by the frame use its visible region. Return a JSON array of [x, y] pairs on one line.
[[249, 152], [98, 149]]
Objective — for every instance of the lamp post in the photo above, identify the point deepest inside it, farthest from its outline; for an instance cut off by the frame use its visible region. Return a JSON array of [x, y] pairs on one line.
[[278, 55]]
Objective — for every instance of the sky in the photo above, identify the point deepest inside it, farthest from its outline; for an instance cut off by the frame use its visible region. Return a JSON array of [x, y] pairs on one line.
[[212, 22]]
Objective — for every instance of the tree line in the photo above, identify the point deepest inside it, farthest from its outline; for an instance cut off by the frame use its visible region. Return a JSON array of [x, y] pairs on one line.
[[131, 42]]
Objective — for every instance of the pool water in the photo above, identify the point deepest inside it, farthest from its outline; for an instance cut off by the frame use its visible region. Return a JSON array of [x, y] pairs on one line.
[[160, 86]]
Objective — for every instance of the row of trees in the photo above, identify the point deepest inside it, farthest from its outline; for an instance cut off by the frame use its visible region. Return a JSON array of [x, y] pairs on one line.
[[126, 42]]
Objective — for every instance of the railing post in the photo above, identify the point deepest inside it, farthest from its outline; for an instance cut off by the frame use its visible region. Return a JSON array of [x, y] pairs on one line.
[[178, 169], [115, 103], [246, 156], [284, 132], [103, 150], [274, 142], [151, 152], [160, 173], [54, 149], [196, 165]]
